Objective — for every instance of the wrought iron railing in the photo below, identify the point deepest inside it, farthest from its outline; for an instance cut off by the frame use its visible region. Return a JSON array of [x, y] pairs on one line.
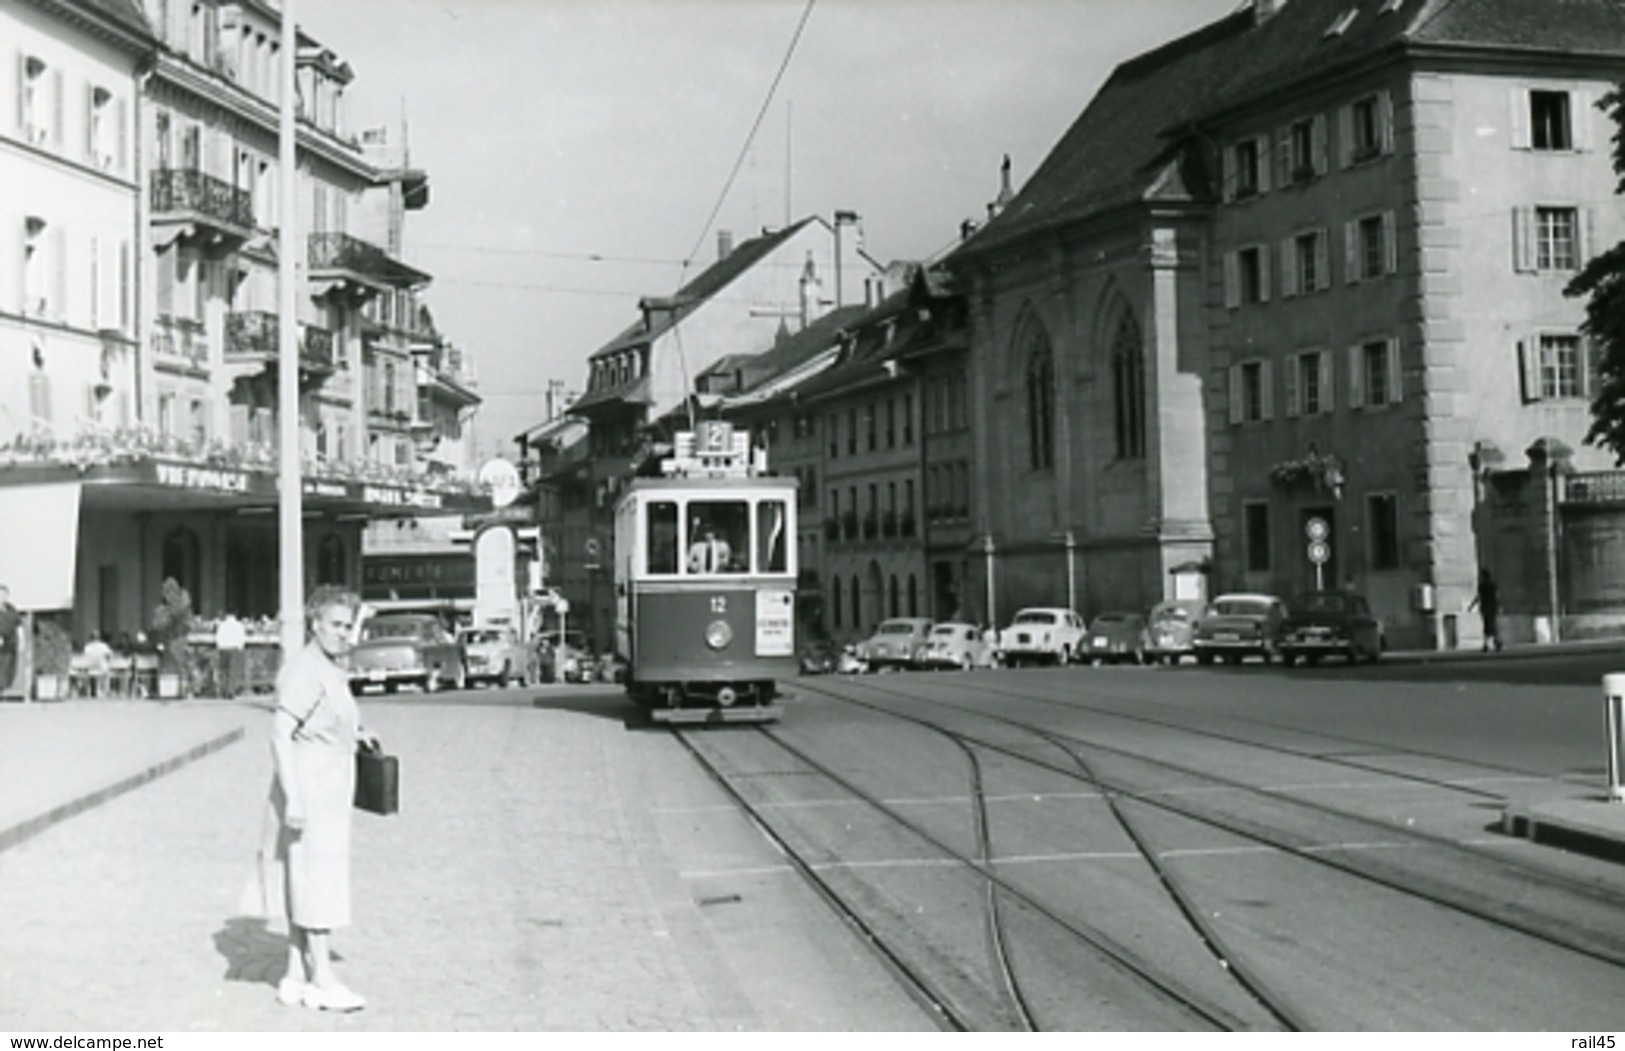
[[180, 340], [189, 190], [329, 251], [257, 333]]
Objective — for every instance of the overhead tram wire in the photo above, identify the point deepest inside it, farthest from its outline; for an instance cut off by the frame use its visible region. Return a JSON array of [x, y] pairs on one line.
[[716, 209]]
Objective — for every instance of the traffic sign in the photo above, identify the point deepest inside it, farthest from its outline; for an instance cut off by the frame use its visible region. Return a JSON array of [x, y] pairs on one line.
[[1319, 552], [1317, 529]]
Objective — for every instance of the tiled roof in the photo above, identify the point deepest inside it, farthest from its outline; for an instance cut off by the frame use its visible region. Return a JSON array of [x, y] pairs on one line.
[[696, 292], [1123, 148]]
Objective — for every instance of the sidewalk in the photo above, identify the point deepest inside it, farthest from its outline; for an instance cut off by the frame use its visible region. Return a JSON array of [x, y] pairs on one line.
[[551, 869]]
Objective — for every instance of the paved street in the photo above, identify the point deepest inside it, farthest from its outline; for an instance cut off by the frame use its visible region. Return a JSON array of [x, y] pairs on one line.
[[527, 884]]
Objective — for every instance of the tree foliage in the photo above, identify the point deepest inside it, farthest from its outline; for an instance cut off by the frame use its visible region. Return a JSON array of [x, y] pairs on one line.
[[1603, 281]]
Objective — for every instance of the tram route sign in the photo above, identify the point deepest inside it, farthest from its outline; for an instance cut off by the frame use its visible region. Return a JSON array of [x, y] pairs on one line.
[[1319, 552], [1316, 529]]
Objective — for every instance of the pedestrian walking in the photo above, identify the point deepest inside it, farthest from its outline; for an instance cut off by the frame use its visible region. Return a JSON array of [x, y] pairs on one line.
[[231, 654], [11, 623], [1488, 603], [315, 731]]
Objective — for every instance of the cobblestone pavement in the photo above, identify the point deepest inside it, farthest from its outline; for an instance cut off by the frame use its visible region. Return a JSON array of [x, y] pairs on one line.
[[522, 887]]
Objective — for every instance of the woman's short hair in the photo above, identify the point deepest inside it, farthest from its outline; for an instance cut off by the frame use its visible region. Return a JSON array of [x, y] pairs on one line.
[[326, 597]]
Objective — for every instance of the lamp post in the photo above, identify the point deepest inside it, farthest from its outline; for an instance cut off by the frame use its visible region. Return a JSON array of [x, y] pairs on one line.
[[290, 520], [1070, 540], [992, 602]]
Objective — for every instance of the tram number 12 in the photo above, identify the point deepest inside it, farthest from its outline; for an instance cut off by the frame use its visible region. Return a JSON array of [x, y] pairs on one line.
[[719, 603]]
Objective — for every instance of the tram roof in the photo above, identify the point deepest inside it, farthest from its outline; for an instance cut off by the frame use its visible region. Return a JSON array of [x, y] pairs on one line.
[[711, 483]]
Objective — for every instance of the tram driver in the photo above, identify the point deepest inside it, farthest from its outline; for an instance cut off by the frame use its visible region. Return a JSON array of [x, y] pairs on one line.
[[709, 553]]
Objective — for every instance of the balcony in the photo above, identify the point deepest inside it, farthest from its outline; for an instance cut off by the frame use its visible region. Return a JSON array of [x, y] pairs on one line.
[[355, 269], [189, 204], [180, 344], [253, 338]]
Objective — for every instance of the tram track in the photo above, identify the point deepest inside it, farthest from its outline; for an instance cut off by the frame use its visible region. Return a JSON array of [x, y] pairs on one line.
[[1177, 1006], [1567, 919]]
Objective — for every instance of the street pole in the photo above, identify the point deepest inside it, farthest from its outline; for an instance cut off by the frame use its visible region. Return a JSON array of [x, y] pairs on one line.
[[992, 605], [1071, 572], [290, 518]]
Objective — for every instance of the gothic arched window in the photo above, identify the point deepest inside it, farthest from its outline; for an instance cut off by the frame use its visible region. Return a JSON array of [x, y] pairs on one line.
[[1128, 388], [1040, 372]]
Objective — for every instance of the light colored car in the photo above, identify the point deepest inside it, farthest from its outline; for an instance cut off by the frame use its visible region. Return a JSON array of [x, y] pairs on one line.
[[952, 644], [494, 654], [897, 643], [1041, 635], [1114, 637], [407, 648], [1171, 627], [1240, 625]]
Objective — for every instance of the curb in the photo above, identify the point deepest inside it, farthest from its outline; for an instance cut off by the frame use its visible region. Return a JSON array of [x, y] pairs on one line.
[[31, 827]]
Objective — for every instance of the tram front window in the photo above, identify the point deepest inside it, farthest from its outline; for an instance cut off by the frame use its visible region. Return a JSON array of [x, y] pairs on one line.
[[718, 536], [662, 536], [770, 539]]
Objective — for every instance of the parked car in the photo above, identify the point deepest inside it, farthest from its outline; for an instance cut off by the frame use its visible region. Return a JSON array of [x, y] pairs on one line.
[[849, 662], [1326, 622], [574, 664], [610, 668], [820, 657], [1041, 634], [1114, 637], [897, 643], [1171, 627], [409, 648], [953, 644], [495, 654], [1240, 625]]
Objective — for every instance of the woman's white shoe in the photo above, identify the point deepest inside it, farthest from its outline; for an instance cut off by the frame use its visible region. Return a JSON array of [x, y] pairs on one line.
[[333, 998], [290, 991]]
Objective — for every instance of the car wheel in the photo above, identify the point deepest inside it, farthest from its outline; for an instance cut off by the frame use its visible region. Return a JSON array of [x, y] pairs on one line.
[[504, 677], [1204, 658], [459, 680], [389, 687], [431, 681]]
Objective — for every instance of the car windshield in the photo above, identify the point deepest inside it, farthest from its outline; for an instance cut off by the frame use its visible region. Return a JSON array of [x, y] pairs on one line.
[[896, 628], [1034, 618], [1170, 613], [1241, 607], [1111, 618], [1322, 602], [380, 628]]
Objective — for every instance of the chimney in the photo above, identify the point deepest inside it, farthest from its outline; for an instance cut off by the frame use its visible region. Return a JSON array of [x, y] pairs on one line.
[[725, 244]]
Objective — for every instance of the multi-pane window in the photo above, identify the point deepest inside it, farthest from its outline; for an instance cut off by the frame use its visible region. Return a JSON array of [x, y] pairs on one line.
[[1250, 392], [1247, 166], [1370, 250], [1382, 530], [1560, 374], [1300, 151], [1374, 379], [1304, 263], [891, 423], [1250, 262], [32, 105], [834, 428], [1040, 381], [1549, 123], [1555, 240], [852, 432], [870, 424], [1255, 524], [1309, 384], [1366, 127]]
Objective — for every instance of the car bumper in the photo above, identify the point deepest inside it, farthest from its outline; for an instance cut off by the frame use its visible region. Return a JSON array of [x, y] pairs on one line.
[[1316, 645], [1229, 646], [387, 676]]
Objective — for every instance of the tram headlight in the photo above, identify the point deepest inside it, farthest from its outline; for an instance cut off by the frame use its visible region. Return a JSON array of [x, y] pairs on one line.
[[718, 634]]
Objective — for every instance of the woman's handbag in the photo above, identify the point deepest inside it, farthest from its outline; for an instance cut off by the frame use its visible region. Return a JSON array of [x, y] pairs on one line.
[[377, 779]]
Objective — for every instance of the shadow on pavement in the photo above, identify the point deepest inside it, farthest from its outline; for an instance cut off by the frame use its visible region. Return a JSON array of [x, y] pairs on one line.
[[253, 952]]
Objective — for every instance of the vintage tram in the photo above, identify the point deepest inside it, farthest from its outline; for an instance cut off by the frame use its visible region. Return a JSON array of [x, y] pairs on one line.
[[705, 577]]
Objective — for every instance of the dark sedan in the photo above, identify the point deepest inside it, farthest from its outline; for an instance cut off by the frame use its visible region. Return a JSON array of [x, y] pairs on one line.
[[1319, 623], [1114, 637], [407, 648]]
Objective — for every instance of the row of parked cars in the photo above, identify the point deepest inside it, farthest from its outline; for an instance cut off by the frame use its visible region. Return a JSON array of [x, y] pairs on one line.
[[419, 650], [1230, 628]]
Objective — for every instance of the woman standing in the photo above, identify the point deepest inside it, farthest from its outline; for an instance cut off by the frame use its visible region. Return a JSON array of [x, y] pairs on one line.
[[313, 745]]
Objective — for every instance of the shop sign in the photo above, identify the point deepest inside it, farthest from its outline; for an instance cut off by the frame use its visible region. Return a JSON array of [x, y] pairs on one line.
[[376, 494], [319, 487], [216, 479]]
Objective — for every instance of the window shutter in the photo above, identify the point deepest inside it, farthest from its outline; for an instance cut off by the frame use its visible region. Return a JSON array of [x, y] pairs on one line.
[[1283, 156], [57, 102], [22, 95], [1228, 158], [1264, 255], [1396, 382], [121, 155], [39, 401], [124, 287], [1232, 281], [1529, 368], [90, 124], [1521, 136], [1266, 391], [1235, 394], [95, 285], [1581, 116], [1318, 143], [1323, 263], [1289, 268], [1356, 376], [1323, 361], [91, 405], [166, 281], [57, 307], [1390, 244], [1385, 121], [1262, 149], [1351, 252], [1585, 233], [1345, 136], [1523, 239], [1294, 365]]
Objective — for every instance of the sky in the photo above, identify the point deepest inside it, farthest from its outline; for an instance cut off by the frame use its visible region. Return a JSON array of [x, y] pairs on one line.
[[580, 151]]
